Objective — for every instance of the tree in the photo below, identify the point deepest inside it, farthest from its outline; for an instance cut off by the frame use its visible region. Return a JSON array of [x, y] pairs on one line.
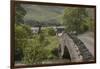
[[74, 19], [20, 13], [22, 33], [51, 31], [35, 52]]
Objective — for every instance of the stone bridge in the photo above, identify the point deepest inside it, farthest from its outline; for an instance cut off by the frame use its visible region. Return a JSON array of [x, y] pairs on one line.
[[76, 48]]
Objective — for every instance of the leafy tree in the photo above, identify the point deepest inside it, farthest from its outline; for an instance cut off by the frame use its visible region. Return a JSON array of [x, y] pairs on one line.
[[51, 32], [74, 19], [20, 13], [36, 52], [22, 33]]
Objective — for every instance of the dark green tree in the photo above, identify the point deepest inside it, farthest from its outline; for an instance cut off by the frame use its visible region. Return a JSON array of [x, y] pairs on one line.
[[35, 52], [74, 19], [21, 32], [20, 13]]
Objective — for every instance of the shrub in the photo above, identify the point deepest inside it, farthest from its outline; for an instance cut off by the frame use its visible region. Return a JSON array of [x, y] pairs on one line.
[[51, 32]]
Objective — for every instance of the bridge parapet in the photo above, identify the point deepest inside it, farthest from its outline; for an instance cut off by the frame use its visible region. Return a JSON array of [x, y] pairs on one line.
[[86, 54]]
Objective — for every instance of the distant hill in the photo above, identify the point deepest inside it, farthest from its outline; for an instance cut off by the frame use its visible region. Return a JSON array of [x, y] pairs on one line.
[[42, 13], [47, 15]]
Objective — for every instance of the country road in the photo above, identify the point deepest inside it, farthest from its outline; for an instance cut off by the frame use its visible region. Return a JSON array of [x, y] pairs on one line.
[[88, 39]]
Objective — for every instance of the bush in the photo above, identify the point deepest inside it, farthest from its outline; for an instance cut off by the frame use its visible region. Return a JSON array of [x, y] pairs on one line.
[[22, 33], [51, 32], [35, 51], [18, 54]]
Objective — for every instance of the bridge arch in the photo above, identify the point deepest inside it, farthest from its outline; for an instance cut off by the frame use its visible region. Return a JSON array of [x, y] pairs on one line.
[[67, 44]]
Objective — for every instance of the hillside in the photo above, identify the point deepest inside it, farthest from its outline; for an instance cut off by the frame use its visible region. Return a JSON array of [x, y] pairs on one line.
[[51, 15], [42, 13]]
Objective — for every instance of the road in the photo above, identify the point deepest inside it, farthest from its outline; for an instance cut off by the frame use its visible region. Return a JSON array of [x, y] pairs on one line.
[[88, 39]]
